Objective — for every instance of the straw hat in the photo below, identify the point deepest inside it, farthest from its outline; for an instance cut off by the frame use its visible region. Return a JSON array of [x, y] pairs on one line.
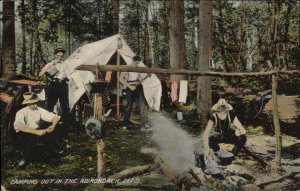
[[30, 98], [222, 105]]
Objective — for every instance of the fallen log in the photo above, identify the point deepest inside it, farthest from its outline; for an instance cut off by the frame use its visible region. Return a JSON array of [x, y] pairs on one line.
[[240, 171], [181, 179], [288, 176], [256, 157], [130, 172]]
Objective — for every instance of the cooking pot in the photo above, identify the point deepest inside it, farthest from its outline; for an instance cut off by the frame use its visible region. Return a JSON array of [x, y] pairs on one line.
[[95, 129], [96, 87], [225, 157]]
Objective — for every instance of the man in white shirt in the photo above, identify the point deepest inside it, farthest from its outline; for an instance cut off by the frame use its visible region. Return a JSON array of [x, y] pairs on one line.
[[132, 81], [57, 84], [28, 126]]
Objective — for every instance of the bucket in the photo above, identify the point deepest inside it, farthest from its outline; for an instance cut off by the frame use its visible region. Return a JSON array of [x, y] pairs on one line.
[[200, 162], [179, 116], [51, 72]]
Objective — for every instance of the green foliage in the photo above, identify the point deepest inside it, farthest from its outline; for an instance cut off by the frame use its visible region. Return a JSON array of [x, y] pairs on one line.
[[244, 28], [255, 130]]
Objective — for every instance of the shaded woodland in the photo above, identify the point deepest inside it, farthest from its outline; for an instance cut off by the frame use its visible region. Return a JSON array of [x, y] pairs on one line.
[[193, 35]]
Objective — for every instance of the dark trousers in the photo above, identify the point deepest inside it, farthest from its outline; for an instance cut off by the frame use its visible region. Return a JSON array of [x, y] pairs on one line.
[[59, 90], [231, 138], [27, 140], [130, 98]]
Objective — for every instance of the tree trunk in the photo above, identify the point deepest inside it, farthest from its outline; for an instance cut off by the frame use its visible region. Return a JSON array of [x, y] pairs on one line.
[[24, 61], [204, 83], [177, 40], [35, 24], [8, 46], [31, 54], [286, 34], [240, 64], [146, 39], [222, 35], [166, 57], [273, 25], [138, 29], [116, 7]]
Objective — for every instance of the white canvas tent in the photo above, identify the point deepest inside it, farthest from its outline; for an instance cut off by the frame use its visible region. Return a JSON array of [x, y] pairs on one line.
[[99, 52]]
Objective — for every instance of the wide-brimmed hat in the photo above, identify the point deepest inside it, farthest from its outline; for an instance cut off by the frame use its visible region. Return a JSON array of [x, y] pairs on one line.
[[30, 98], [59, 50], [222, 105]]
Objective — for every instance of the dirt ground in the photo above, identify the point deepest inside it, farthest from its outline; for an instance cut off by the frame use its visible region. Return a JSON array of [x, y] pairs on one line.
[[78, 161], [133, 147], [288, 108]]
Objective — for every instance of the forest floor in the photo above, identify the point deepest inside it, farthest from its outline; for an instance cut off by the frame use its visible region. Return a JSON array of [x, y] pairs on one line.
[[133, 147]]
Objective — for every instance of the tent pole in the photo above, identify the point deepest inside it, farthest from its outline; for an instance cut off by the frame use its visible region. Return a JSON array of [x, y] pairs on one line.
[[118, 85]]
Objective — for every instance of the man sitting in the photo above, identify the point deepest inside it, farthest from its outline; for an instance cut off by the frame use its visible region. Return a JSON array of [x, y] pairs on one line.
[[223, 127], [28, 126]]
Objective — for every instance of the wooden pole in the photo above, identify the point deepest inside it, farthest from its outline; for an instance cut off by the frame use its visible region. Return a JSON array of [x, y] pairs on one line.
[[276, 120], [118, 84], [100, 156], [183, 71]]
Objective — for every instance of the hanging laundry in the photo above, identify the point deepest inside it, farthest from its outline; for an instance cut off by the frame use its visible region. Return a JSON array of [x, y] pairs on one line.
[[174, 91], [183, 91], [108, 76], [152, 89]]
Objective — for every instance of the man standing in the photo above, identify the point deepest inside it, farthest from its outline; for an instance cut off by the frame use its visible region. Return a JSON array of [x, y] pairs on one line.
[[134, 89], [28, 126], [223, 127], [57, 74]]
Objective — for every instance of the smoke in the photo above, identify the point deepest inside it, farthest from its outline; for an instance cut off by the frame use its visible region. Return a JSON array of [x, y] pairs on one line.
[[176, 144]]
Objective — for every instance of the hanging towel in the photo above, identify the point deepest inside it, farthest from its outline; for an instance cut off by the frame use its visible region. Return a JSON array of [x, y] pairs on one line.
[[152, 92], [174, 90], [183, 91]]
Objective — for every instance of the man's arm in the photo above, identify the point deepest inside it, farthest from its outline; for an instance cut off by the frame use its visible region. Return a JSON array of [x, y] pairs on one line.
[[125, 83], [205, 137], [145, 78], [28, 129], [44, 69], [240, 129], [53, 125]]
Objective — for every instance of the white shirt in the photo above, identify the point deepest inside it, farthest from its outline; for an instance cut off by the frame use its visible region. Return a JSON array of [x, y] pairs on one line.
[[63, 69], [32, 118], [131, 77]]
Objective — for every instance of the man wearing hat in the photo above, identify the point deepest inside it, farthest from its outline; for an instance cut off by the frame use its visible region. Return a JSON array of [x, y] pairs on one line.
[[134, 89], [57, 75], [223, 127], [28, 126]]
